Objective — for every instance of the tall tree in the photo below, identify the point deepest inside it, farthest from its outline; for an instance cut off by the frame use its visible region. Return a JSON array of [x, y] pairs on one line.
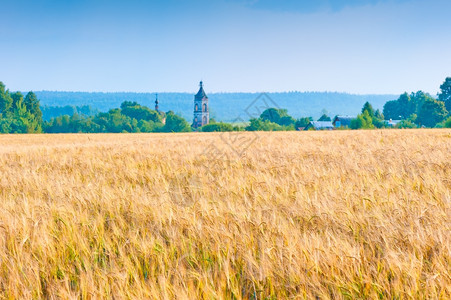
[[5, 99], [263, 125], [32, 104], [392, 110], [378, 114], [363, 121], [273, 115], [17, 100], [431, 112], [369, 108], [447, 123], [407, 105], [324, 117], [278, 116], [445, 93], [175, 123], [302, 122], [404, 106], [138, 112], [22, 121]]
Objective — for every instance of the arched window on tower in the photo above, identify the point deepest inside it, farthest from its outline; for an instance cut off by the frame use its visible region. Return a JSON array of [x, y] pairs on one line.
[[205, 120], [205, 107], [195, 120], [196, 107]]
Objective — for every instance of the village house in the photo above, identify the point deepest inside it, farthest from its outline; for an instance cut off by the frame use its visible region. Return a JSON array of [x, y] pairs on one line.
[[391, 123], [320, 125], [342, 121]]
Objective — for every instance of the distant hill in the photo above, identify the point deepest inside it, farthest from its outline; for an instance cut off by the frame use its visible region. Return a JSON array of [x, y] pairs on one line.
[[225, 106]]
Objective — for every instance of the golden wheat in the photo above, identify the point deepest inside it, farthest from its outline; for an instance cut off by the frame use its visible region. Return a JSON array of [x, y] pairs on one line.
[[345, 214]]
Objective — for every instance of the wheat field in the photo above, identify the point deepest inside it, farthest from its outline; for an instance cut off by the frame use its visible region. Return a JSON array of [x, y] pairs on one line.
[[286, 215]]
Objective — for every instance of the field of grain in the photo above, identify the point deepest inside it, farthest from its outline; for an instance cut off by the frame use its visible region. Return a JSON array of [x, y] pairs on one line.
[[344, 214]]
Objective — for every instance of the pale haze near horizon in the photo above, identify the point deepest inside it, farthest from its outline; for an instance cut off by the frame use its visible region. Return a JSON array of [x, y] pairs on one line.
[[363, 47]]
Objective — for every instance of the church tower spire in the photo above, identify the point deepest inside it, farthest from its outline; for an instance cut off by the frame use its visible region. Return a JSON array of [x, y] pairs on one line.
[[156, 102], [201, 109]]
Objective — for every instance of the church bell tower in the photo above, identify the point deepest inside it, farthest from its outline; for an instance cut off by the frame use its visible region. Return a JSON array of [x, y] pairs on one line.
[[201, 114], [156, 102]]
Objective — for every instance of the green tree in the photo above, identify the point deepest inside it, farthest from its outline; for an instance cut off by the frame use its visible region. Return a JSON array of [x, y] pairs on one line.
[[287, 121], [418, 100], [217, 127], [324, 117], [23, 121], [377, 118], [302, 122], [175, 123], [369, 108], [270, 114], [432, 112], [149, 126], [406, 124], [445, 93], [5, 125], [128, 104], [5, 99], [367, 120], [363, 121], [17, 100], [274, 115], [408, 104], [404, 106], [378, 114], [392, 110], [114, 121], [263, 125], [447, 123], [74, 123], [19, 119], [32, 104], [139, 112]]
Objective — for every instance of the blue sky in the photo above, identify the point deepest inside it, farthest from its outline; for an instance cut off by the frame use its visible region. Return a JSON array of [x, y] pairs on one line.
[[355, 46]]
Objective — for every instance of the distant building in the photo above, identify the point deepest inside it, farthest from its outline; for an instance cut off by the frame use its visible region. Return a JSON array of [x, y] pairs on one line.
[[342, 121], [201, 111], [156, 102], [391, 123], [162, 114], [320, 125]]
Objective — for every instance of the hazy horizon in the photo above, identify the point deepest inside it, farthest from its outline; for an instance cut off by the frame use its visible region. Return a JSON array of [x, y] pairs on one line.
[[207, 92]]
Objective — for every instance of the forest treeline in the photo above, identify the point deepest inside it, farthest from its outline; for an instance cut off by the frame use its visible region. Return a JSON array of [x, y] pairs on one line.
[[23, 114], [224, 107]]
